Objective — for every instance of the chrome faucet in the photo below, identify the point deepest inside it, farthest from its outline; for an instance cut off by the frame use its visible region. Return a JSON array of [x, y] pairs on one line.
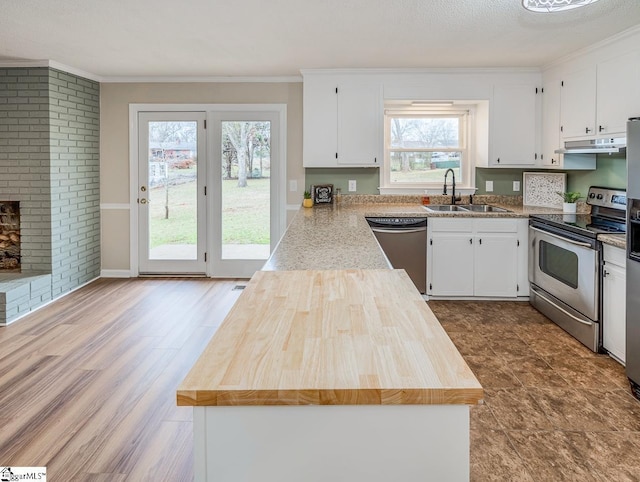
[[454, 198]]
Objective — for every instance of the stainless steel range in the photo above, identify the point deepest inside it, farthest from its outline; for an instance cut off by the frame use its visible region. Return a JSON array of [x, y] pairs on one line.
[[565, 263]]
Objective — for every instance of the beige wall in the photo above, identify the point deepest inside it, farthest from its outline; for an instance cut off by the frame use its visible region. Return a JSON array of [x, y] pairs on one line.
[[114, 142]]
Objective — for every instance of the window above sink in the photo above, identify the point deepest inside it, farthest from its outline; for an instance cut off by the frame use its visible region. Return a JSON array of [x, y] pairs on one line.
[[422, 140]]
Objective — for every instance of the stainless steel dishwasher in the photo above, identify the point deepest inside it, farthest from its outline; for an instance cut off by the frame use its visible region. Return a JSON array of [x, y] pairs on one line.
[[404, 242]]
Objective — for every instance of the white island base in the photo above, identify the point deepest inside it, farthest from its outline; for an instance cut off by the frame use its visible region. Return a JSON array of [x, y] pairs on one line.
[[321, 443]]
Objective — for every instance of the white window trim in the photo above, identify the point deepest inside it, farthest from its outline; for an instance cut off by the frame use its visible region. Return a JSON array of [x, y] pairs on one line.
[[468, 167]]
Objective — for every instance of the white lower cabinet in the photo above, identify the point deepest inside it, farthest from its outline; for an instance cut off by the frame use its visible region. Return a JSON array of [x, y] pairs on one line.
[[474, 257], [614, 302]]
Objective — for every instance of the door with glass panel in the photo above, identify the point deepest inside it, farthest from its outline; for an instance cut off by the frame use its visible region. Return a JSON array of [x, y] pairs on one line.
[[245, 152], [171, 193]]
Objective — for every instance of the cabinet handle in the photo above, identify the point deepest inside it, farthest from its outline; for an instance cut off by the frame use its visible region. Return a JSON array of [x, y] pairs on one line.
[[471, 241], [480, 241], [553, 161], [600, 128], [587, 130], [604, 273], [498, 160]]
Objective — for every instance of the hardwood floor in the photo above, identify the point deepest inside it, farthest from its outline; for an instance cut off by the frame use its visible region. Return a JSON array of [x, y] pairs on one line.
[[88, 387], [87, 384]]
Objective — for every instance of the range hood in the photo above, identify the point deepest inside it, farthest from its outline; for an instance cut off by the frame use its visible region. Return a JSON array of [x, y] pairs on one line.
[[594, 146]]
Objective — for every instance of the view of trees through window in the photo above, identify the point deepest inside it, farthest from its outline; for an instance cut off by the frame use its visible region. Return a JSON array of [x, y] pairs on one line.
[[421, 149], [173, 169]]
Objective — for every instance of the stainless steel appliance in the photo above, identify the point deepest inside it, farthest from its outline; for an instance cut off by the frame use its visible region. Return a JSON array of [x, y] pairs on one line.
[[565, 263], [633, 255], [404, 242], [594, 146]]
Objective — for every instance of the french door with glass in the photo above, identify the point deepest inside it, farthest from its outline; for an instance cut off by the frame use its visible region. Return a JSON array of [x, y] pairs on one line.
[[171, 193], [245, 161]]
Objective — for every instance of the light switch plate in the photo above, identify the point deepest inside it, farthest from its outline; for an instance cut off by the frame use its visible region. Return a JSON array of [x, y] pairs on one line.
[[293, 185], [488, 186], [352, 185], [516, 185]]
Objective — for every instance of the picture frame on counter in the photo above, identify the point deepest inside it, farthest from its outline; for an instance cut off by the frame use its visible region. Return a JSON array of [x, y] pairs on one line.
[[322, 194]]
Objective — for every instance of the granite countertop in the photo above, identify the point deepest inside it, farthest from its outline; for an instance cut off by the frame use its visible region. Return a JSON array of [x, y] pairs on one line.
[[617, 240], [337, 236]]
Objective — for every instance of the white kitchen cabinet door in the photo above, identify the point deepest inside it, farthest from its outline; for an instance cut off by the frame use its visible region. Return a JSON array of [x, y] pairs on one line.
[[342, 122], [450, 264], [614, 303], [496, 261], [513, 126], [475, 257], [320, 122], [551, 123], [578, 104], [359, 123], [618, 93]]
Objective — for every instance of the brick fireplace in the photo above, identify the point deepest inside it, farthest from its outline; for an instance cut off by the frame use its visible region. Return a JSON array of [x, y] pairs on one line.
[[49, 164], [9, 236]]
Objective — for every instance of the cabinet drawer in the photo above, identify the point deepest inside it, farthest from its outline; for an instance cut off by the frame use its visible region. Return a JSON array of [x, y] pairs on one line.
[[497, 225], [451, 225], [614, 255]]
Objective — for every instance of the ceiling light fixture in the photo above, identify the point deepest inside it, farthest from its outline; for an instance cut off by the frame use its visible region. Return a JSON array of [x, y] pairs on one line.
[[550, 6]]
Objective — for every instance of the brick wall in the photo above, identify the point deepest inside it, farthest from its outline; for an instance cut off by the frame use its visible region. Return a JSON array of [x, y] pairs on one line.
[[74, 175], [24, 159], [49, 161]]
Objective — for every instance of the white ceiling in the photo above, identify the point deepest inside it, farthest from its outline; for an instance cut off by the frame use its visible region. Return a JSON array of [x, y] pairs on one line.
[[168, 38]]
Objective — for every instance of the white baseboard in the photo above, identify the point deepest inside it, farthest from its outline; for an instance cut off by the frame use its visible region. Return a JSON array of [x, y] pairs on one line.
[[115, 273]]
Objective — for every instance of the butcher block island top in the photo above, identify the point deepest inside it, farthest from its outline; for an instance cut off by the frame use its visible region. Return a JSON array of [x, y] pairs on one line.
[[330, 337]]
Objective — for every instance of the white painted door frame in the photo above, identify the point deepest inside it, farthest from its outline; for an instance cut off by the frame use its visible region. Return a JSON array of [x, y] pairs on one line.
[[196, 266], [278, 195]]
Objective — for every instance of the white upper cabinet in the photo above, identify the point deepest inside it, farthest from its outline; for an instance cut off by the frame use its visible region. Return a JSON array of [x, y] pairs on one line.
[[359, 123], [578, 103], [597, 100], [618, 96], [342, 121], [320, 122], [551, 123], [513, 126]]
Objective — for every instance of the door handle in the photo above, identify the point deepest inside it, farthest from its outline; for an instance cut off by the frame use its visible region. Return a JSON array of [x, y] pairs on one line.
[[571, 241]]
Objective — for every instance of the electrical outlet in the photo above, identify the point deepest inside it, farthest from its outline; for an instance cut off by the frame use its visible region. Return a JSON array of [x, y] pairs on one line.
[[352, 185], [488, 186], [293, 185], [516, 185]]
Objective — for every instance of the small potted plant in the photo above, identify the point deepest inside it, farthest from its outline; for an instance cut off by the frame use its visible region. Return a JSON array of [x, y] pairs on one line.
[[307, 202], [569, 200]]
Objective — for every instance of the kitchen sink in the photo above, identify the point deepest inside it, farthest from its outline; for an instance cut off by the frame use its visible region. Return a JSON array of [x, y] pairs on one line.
[[483, 208], [443, 207], [465, 208]]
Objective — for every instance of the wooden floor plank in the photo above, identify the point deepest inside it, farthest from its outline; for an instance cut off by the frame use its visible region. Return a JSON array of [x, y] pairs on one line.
[[87, 383]]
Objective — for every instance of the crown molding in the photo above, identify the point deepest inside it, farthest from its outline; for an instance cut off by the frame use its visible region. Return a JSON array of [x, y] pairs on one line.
[[211, 79], [635, 30], [423, 70], [52, 64], [146, 79]]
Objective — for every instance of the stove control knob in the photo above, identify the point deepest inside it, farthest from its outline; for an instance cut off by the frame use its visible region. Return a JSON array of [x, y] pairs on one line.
[[592, 195], [599, 196]]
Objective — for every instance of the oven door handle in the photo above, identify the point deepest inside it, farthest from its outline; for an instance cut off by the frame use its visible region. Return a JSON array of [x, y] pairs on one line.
[[588, 323], [577, 243]]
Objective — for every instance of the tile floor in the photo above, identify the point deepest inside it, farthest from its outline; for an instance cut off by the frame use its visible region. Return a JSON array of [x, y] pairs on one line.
[[553, 409]]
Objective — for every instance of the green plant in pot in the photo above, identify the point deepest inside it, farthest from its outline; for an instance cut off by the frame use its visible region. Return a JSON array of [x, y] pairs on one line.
[[569, 200], [307, 202]]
